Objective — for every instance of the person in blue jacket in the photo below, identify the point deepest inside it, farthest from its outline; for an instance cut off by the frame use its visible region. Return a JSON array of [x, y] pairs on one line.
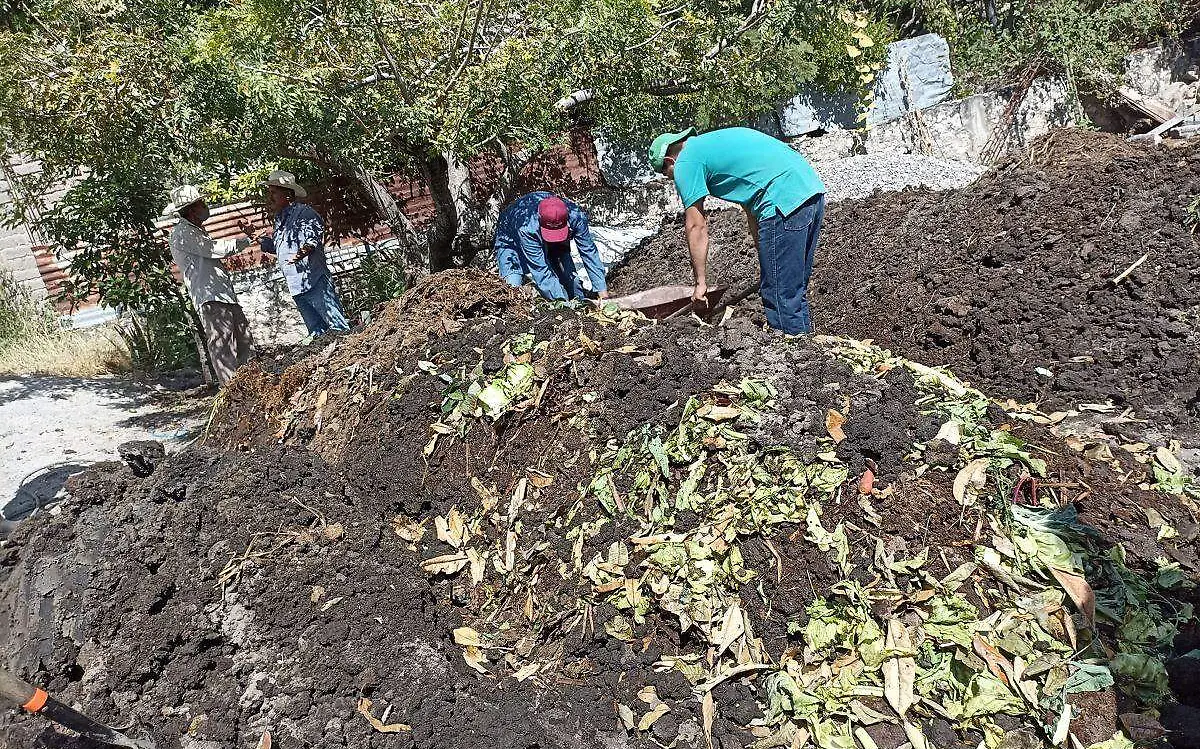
[[533, 238]]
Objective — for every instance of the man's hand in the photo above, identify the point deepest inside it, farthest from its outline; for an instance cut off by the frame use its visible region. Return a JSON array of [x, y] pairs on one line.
[[249, 230], [700, 295], [304, 252], [603, 294]]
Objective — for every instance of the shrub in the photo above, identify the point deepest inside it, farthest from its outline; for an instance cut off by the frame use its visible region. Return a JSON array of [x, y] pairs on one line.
[[32, 342], [377, 279], [1085, 41], [20, 313], [159, 340]]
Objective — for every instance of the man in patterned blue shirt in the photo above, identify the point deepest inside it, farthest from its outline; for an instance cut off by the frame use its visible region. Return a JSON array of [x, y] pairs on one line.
[[533, 238], [299, 248]]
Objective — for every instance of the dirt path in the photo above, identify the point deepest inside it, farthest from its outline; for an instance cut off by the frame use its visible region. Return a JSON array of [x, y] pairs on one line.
[[53, 427]]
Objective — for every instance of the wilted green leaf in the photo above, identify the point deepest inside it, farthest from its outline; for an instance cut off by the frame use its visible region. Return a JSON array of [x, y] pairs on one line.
[[1142, 676], [986, 695], [1088, 677]]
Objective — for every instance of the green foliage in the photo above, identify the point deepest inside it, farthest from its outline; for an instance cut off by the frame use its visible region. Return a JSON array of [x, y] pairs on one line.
[[1086, 40], [121, 259], [848, 48], [138, 95], [96, 92], [107, 219], [20, 314], [160, 340], [375, 281]]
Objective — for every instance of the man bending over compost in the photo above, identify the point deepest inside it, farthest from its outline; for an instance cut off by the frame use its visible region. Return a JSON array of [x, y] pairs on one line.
[[533, 238], [784, 201]]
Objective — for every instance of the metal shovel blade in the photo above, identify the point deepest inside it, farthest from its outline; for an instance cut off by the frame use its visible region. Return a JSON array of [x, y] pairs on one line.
[[663, 301], [66, 716]]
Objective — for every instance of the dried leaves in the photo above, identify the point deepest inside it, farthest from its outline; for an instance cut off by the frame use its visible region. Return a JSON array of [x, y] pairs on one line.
[[364, 709], [970, 480], [473, 648], [833, 425], [899, 669]]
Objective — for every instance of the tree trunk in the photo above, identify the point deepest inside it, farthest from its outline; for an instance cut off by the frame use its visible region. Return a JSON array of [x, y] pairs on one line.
[[468, 235], [436, 174], [514, 162], [463, 223], [411, 253]]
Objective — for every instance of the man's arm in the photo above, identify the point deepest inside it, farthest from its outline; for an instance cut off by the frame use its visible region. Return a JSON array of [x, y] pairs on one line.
[[508, 259], [199, 244], [695, 225], [535, 260], [311, 233], [588, 252], [508, 262], [256, 236], [225, 247], [752, 222]]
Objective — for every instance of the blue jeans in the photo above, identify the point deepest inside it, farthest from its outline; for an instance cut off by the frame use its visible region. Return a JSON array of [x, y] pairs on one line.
[[787, 246], [562, 265], [321, 308]]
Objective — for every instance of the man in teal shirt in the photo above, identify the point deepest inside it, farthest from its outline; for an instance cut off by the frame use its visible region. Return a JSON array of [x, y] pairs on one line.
[[784, 201]]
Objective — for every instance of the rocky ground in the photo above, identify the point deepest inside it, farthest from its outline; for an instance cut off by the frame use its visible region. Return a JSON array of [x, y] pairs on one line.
[[53, 427], [480, 522]]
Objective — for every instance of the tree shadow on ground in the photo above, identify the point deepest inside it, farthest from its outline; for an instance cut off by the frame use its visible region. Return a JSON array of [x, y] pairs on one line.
[[124, 392], [39, 490], [186, 416]]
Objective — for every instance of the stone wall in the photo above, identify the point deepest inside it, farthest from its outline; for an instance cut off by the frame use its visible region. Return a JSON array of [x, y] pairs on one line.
[[912, 114], [16, 243], [964, 128], [264, 296], [1169, 74]]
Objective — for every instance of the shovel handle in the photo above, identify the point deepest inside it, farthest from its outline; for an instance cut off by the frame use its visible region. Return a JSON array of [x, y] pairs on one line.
[[737, 296], [733, 298], [34, 700], [682, 310], [17, 693]]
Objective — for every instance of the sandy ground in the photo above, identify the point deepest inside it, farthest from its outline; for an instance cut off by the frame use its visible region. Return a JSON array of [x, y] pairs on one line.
[[53, 427]]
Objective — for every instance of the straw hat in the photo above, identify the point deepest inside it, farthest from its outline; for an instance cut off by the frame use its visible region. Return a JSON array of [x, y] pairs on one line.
[[182, 197], [287, 180]]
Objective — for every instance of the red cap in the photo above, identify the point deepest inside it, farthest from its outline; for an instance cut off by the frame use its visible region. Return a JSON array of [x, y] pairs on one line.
[[553, 216]]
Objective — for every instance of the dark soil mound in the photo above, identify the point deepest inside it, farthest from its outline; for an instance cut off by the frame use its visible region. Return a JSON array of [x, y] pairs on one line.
[[566, 529], [1009, 281]]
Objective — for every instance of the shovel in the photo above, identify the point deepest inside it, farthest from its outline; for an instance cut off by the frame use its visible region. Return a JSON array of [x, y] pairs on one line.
[[661, 302], [715, 301], [17, 693]]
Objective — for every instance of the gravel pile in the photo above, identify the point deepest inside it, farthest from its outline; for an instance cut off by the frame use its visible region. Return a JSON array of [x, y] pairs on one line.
[[859, 176], [623, 220]]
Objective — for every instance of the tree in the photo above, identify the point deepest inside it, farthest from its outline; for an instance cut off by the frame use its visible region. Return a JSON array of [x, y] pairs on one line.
[[122, 97], [424, 87], [83, 91], [1085, 41]]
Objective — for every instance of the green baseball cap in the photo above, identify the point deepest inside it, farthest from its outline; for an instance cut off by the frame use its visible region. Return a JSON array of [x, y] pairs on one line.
[[658, 148]]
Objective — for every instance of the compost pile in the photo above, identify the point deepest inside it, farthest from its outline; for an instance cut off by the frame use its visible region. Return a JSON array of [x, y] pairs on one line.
[[1010, 280], [484, 522]]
